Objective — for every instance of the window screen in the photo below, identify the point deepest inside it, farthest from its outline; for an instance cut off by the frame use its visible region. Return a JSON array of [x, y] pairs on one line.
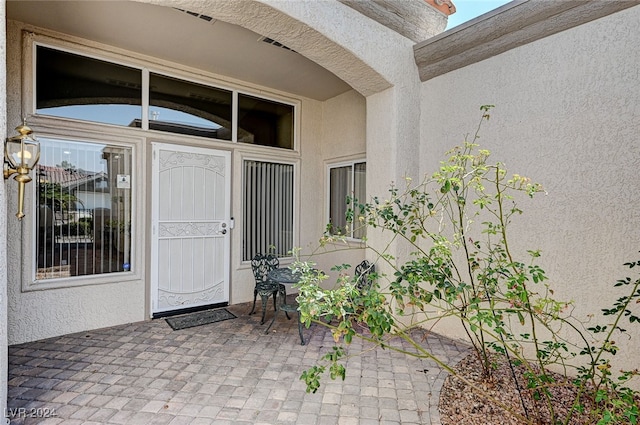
[[268, 208]]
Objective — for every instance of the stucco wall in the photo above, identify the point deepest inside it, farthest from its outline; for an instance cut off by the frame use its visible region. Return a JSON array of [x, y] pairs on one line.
[[308, 196], [330, 131], [44, 313], [343, 139], [390, 129], [3, 229], [40, 314], [567, 115]]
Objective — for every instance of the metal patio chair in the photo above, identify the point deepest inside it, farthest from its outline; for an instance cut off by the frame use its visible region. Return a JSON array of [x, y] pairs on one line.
[[363, 272], [364, 281], [262, 264], [288, 308], [286, 276]]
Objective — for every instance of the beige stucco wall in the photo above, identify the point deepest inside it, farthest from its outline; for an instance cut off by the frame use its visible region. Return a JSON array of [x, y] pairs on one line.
[[567, 115], [44, 313], [375, 52], [330, 131], [385, 123], [343, 139], [333, 35], [3, 229], [37, 314]]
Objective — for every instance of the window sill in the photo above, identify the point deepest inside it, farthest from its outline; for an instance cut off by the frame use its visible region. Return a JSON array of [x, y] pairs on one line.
[[61, 283], [350, 242]]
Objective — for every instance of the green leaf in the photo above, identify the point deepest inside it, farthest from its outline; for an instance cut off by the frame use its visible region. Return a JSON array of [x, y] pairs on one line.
[[446, 187]]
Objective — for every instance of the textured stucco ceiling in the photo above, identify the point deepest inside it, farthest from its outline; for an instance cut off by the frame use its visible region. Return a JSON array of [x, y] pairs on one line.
[[175, 36]]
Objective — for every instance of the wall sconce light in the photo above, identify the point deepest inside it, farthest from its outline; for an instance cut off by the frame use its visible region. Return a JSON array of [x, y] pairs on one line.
[[21, 154]]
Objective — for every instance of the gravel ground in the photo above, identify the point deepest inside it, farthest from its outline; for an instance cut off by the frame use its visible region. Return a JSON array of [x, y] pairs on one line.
[[460, 405]]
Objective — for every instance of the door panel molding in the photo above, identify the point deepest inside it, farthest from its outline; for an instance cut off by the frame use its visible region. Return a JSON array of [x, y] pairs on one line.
[[191, 206]]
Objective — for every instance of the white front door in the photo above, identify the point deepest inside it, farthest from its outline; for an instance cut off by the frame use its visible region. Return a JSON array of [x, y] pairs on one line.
[[190, 227]]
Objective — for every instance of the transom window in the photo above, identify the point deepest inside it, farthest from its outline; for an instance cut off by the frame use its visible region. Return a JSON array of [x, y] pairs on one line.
[[347, 188], [265, 122], [183, 107], [83, 209], [73, 86]]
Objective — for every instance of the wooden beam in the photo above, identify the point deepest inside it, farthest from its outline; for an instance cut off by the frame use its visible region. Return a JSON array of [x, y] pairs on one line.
[[513, 25], [414, 19]]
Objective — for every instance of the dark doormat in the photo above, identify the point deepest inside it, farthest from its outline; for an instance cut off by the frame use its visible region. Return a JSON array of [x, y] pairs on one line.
[[199, 318]]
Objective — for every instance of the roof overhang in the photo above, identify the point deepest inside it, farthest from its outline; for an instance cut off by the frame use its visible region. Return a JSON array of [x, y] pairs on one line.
[[416, 20], [510, 26]]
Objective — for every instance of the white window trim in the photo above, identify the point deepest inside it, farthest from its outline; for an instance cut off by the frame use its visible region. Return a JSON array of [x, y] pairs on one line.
[[239, 219], [29, 282], [267, 96], [104, 53], [329, 166], [138, 139]]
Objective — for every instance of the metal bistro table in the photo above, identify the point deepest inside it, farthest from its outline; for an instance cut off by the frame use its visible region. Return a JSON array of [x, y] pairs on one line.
[[286, 276]]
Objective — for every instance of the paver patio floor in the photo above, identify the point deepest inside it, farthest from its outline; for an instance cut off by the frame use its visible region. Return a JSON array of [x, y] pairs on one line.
[[228, 372]]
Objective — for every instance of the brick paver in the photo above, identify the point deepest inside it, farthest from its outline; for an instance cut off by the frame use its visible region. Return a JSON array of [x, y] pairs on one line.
[[225, 372]]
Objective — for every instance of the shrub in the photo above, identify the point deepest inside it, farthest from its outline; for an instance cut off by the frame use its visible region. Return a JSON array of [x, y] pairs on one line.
[[457, 223]]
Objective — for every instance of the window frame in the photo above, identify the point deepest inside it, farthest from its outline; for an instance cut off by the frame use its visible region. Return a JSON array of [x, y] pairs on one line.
[[146, 102], [295, 163], [236, 126], [29, 99], [139, 139], [29, 268], [342, 164], [82, 54]]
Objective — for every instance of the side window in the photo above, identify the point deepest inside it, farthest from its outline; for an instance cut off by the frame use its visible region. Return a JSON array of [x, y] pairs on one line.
[[267, 208], [83, 209], [347, 187]]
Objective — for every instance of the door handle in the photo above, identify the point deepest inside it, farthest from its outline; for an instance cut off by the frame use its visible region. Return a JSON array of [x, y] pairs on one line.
[[223, 231]]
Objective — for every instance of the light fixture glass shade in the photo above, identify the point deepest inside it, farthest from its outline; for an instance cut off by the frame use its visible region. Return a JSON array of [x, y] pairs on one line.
[[21, 154], [22, 151]]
